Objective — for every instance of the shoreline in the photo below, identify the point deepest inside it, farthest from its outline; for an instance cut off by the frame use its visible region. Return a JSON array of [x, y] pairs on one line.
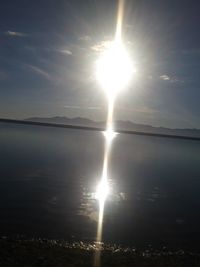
[[46, 252]]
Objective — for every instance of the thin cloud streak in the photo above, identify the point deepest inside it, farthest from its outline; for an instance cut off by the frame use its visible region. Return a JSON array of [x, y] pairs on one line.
[[85, 38], [64, 51], [101, 46], [146, 110], [38, 71], [79, 107], [15, 34], [165, 77]]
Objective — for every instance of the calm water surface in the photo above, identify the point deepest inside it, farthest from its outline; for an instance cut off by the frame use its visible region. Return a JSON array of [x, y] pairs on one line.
[[48, 178]]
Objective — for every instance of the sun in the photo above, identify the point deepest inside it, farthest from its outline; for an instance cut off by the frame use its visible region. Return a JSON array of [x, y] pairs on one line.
[[114, 68]]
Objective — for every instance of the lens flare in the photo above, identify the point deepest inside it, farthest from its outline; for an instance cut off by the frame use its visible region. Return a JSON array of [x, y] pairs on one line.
[[114, 71]]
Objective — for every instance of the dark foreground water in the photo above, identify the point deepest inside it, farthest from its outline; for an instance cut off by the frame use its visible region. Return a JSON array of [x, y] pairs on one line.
[[48, 178]]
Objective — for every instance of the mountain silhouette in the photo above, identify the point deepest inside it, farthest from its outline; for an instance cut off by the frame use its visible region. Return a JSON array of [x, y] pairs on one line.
[[119, 124]]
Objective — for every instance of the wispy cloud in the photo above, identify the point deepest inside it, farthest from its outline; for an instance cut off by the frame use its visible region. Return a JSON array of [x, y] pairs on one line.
[[145, 110], [15, 34], [38, 71], [165, 77], [171, 79], [64, 51], [80, 107], [101, 46], [85, 38]]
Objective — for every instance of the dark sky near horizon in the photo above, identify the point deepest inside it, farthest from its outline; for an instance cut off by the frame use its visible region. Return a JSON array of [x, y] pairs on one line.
[[48, 49]]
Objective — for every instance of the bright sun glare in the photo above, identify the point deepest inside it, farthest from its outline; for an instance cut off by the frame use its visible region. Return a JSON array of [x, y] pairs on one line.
[[102, 191], [114, 68]]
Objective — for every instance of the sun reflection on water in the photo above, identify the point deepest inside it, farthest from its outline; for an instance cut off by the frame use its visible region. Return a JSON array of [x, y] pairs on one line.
[[103, 188]]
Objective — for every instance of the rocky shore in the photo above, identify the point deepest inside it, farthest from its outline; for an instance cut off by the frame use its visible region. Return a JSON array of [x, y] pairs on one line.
[[58, 253]]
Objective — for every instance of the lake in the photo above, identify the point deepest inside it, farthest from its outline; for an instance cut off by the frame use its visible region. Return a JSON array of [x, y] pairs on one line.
[[48, 179]]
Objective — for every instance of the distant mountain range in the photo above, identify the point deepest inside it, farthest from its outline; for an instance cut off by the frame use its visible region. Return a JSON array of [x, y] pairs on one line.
[[120, 124]]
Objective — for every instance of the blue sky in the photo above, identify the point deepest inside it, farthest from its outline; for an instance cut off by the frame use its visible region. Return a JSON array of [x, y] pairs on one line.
[[48, 51]]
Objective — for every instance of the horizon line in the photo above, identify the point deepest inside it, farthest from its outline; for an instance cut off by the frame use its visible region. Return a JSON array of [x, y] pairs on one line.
[[97, 129]]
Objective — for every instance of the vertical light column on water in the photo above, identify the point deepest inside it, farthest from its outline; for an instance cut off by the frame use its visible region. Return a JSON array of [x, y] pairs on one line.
[[108, 80], [103, 188]]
